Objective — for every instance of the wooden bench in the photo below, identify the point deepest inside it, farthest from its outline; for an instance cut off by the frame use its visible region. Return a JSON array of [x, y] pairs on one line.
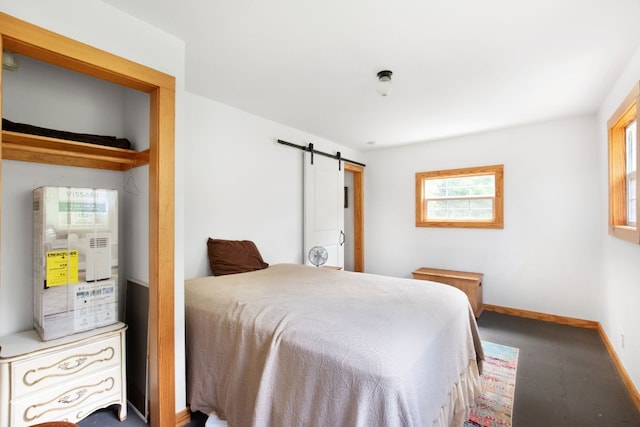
[[469, 283]]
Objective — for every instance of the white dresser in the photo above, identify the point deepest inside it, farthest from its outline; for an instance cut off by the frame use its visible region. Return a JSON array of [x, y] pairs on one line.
[[64, 379]]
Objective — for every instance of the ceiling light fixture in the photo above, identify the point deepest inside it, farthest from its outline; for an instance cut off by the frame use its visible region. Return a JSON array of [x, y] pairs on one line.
[[10, 61], [384, 82]]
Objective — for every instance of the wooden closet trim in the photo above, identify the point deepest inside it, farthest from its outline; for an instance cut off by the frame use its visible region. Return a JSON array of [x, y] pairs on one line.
[[24, 38], [358, 215]]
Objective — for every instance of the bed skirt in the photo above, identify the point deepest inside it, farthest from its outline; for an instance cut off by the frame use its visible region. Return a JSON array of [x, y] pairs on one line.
[[456, 411], [453, 414]]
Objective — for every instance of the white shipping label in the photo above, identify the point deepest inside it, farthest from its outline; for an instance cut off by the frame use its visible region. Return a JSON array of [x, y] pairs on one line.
[[104, 314], [82, 320], [104, 293], [83, 307], [84, 295]]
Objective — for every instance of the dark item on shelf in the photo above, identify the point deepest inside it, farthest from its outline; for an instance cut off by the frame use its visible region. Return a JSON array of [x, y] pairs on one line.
[[109, 141]]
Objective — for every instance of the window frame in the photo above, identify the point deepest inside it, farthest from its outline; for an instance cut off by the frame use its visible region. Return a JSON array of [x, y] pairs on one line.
[[633, 175], [498, 207], [625, 114]]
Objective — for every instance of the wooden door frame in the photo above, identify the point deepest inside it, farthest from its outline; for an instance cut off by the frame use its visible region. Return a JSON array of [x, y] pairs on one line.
[[358, 215], [27, 39]]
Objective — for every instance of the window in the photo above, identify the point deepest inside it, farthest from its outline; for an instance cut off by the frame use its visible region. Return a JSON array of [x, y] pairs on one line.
[[623, 162], [468, 198], [632, 161]]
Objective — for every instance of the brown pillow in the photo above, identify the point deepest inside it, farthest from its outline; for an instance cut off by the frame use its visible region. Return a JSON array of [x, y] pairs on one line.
[[233, 256]]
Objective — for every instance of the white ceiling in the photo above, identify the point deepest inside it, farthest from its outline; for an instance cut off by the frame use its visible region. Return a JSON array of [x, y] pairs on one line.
[[459, 66]]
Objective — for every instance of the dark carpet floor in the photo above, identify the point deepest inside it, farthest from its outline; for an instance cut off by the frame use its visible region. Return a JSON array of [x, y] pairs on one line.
[[565, 376]]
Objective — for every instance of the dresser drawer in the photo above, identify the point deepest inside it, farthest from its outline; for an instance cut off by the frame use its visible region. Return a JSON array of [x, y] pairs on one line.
[[65, 365], [71, 401]]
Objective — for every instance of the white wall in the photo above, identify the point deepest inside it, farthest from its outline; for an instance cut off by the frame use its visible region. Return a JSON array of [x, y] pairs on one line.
[[547, 256], [242, 184], [63, 99], [233, 181], [621, 259], [45, 95], [104, 27], [16, 279]]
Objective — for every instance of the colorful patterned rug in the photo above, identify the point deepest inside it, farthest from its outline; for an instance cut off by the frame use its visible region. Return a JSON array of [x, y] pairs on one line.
[[495, 407]]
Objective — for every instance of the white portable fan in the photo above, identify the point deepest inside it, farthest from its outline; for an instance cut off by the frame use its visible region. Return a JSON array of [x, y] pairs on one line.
[[318, 255]]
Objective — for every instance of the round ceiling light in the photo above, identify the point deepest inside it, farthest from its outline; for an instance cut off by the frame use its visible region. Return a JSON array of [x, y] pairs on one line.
[[384, 82]]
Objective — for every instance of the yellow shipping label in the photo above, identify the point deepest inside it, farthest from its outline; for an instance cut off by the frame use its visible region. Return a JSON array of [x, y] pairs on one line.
[[62, 267]]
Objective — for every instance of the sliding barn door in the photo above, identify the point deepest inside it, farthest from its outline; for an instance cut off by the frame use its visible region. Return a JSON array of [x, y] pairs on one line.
[[324, 207]]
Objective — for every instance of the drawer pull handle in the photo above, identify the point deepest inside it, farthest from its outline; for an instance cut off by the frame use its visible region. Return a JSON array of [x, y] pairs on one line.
[[68, 399], [68, 366]]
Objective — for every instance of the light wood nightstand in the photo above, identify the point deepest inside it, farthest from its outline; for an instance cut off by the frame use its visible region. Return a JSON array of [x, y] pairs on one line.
[[469, 283]]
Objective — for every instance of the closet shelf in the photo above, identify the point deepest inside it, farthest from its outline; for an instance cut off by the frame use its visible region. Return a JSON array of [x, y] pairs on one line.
[[41, 149]]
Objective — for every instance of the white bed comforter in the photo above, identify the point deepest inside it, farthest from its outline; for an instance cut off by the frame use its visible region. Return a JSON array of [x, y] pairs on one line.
[[294, 345]]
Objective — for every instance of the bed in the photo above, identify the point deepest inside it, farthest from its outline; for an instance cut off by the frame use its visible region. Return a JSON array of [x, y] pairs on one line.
[[294, 345]]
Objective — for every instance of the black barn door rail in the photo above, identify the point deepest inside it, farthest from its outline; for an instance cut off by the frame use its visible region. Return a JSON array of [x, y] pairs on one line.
[[313, 151]]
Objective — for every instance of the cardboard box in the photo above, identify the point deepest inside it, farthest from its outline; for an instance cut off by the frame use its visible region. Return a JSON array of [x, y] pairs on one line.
[[66, 310], [75, 261]]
